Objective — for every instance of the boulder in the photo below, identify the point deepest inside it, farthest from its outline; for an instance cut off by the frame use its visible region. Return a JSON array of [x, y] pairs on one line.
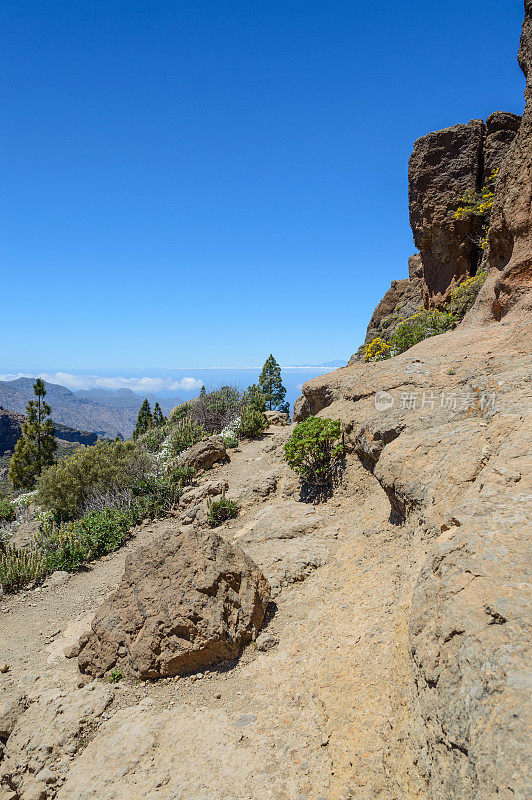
[[277, 418], [185, 601], [205, 453]]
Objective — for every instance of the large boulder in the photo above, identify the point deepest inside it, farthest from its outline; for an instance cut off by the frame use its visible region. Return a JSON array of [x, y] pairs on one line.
[[205, 453], [185, 601], [277, 418]]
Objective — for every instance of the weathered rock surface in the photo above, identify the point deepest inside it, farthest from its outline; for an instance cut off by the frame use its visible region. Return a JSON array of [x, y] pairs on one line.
[[444, 166], [186, 601], [46, 737], [277, 418], [205, 453], [509, 254]]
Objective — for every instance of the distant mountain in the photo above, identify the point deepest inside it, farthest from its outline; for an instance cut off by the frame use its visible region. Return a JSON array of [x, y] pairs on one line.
[[336, 364], [106, 412], [126, 398], [11, 426]]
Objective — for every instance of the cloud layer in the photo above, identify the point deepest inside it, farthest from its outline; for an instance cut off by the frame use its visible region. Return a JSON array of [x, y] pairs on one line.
[[147, 385]]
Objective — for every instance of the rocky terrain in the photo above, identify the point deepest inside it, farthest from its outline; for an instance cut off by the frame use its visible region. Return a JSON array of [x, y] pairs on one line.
[[374, 646]]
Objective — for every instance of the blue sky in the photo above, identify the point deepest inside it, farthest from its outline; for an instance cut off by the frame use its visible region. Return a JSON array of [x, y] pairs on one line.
[[203, 183]]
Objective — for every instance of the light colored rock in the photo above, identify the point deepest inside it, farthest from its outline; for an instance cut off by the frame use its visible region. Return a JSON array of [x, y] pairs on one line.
[[205, 453], [186, 601], [47, 735], [277, 418]]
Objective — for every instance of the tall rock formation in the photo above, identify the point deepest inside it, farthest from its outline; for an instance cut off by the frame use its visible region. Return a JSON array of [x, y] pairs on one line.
[[509, 254], [444, 167]]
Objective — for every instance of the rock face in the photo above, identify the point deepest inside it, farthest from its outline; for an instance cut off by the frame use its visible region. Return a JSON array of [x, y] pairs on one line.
[[445, 430], [204, 454], [509, 254], [443, 167], [186, 601], [402, 299]]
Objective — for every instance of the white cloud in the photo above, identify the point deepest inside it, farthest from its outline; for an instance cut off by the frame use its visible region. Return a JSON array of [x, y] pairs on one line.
[[100, 382]]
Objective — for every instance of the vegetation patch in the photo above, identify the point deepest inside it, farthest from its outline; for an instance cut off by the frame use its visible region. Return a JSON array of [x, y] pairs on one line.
[[219, 511], [315, 451]]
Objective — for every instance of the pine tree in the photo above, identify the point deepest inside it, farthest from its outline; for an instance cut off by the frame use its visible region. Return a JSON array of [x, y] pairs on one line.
[[35, 448], [203, 391], [144, 420], [271, 385], [158, 417]]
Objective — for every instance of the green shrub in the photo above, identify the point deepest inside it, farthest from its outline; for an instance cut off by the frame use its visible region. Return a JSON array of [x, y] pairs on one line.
[[214, 410], [18, 568], [254, 397], [253, 423], [179, 413], [181, 474], [70, 545], [185, 434], [65, 487], [230, 438], [153, 439], [314, 451], [462, 297], [219, 511], [418, 327], [8, 511], [154, 496]]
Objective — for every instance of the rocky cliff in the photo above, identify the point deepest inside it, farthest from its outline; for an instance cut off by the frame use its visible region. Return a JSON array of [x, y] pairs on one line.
[[445, 166], [445, 430]]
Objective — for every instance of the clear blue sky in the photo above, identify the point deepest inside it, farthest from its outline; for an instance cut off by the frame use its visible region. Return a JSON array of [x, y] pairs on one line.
[[193, 183]]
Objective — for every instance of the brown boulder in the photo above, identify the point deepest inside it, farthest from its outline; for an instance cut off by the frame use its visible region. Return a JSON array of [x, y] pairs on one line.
[[205, 453], [186, 601]]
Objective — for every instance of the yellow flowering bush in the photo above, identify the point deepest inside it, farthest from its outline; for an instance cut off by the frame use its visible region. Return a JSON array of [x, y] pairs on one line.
[[478, 203], [376, 350]]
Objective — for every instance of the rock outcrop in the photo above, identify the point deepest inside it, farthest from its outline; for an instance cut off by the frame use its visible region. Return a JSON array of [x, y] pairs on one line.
[[205, 453], [444, 166], [509, 253], [186, 601], [402, 299], [445, 430]]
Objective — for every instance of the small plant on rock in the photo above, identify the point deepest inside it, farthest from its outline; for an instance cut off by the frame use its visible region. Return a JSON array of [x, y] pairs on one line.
[[219, 511], [315, 451], [115, 676]]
